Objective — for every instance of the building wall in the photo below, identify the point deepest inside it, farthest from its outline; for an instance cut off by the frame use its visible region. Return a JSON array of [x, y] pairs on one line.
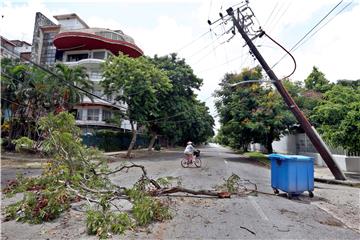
[[69, 24], [40, 21], [286, 144]]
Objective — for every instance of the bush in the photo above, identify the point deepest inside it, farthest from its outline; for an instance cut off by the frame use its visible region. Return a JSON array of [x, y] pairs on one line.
[[157, 147], [23, 144]]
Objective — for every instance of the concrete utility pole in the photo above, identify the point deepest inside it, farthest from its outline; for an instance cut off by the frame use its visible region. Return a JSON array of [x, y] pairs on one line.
[[305, 124]]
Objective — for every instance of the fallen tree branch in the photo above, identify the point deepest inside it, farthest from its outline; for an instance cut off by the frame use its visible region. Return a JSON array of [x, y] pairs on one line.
[[80, 195], [152, 181], [163, 191]]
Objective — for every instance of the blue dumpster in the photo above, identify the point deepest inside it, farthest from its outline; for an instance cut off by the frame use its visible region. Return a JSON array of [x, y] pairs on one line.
[[292, 174]]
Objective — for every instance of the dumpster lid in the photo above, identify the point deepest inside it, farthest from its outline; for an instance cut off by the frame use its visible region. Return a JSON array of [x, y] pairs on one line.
[[290, 157]]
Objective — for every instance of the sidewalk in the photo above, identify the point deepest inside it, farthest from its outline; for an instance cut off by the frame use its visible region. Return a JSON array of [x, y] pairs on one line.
[[324, 175], [341, 199]]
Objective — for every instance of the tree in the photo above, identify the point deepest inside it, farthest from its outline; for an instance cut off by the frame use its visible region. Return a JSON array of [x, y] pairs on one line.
[[183, 118], [316, 81], [338, 117], [25, 98], [29, 93], [251, 112], [136, 82], [68, 77]]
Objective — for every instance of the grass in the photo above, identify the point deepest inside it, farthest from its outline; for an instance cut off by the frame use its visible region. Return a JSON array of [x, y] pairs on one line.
[[262, 158]]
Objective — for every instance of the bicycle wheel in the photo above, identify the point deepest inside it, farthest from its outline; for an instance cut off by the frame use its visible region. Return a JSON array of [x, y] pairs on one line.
[[184, 163], [197, 162]]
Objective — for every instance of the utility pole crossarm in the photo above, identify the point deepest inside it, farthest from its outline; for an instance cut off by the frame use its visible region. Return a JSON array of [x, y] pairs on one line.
[[304, 122]]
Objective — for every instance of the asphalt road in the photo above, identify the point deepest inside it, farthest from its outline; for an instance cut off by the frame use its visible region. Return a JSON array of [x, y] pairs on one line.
[[246, 217]]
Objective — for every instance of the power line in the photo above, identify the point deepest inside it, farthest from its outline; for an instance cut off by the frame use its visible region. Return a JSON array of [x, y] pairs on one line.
[[19, 104], [317, 24], [281, 16], [347, 5], [286, 52], [71, 85], [271, 13]]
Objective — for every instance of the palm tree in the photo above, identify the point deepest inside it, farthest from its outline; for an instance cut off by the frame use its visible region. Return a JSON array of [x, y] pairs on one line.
[[67, 95]]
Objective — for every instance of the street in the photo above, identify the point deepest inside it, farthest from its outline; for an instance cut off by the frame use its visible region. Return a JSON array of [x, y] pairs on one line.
[[246, 217]]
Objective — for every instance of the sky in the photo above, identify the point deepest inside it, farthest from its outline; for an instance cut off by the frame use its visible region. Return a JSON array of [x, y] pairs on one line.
[[166, 26]]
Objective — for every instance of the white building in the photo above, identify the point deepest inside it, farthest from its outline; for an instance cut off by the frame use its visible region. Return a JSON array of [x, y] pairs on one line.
[[74, 43]]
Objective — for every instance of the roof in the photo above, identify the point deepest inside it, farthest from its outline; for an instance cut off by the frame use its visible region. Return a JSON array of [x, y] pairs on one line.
[[7, 41], [20, 43], [70, 16]]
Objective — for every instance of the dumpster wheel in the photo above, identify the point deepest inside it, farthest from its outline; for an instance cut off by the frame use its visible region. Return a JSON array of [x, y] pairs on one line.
[[311, 194], [276, 191]]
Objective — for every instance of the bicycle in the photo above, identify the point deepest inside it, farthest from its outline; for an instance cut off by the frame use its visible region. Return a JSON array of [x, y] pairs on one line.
[[185, 162]]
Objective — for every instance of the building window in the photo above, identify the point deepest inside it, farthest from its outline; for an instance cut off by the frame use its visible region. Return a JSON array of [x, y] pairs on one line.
[[79, 114], [99, 55], [95, 75], [93, 114], [77, 57], [106, 115]]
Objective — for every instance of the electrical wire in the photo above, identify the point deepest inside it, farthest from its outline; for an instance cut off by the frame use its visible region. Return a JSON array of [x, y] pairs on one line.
[[281, 16], [285, 51], [270, 15], [346, 6], [69, 84], [317, 24]]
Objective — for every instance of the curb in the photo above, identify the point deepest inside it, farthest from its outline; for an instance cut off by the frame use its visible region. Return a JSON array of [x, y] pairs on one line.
[[338, 182]]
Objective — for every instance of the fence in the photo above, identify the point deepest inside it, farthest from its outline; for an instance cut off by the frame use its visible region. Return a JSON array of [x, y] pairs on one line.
[[303, 144], [114, 141]]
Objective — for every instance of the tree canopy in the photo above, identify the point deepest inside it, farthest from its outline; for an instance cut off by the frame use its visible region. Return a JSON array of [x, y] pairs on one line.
[[184, 117], [338, 117], [137, 83], [29, 93], [317, 81], [251, 112]]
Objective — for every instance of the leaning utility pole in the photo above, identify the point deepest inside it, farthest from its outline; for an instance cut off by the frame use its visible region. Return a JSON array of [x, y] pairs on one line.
[[309, 130]]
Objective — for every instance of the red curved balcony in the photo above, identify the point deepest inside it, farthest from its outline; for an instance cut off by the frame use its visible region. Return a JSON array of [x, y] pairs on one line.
[[76, 40]]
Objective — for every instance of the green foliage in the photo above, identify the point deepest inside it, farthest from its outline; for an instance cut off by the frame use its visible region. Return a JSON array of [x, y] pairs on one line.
[[338, 117], [37, 207], [23, 143], [67, 96], [108, 140], [146, 209], [183, 117], [231, 184], [317, 81], [251, 113], [157, 147], [167, 181], [140, 82], [32, 93], [258, 156], [102, 223], [76, 172]]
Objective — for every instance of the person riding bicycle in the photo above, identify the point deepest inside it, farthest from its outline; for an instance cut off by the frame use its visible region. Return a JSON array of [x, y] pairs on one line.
[[189, 151]]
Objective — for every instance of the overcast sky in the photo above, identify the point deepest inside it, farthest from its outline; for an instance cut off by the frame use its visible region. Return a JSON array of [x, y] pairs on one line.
[[165, 26]]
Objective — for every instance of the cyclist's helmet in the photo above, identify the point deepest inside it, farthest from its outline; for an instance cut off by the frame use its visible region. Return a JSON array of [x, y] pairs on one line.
[[189, 143]]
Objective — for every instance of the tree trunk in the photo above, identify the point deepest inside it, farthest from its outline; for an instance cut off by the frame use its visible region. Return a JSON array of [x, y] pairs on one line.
[[269, 140], [152, 141], [269, 147], [133, 140]]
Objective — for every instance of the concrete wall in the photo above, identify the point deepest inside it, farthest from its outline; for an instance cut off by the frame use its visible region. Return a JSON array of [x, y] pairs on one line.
[[339, 159], [69, 24], [286, 144]]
